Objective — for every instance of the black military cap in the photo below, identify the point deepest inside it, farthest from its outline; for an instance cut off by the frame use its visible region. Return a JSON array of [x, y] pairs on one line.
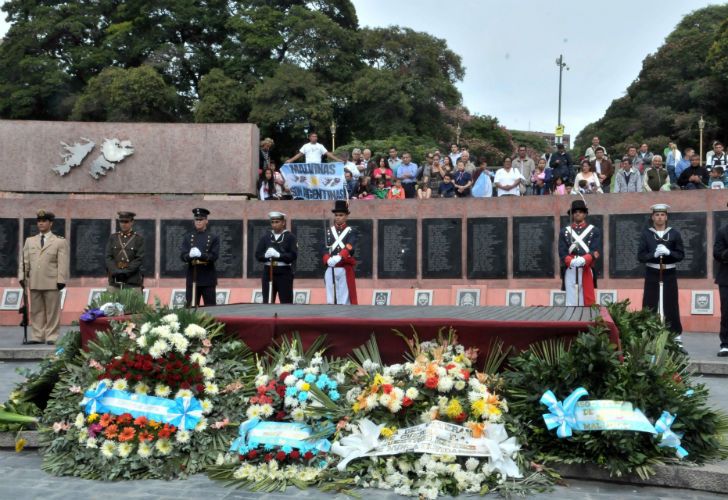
[[200, 213], [341, 206], [126, 216], [44, 215], [578, 205]]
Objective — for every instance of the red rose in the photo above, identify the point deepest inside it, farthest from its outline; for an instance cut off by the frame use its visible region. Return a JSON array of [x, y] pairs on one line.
[[295, 455], [308, 455], [252, 454], [461, 417], [200, 387], [281, 456], [387, 388], [280, 415], [283, 376], [431, 383], [268, 457], [406, 402]]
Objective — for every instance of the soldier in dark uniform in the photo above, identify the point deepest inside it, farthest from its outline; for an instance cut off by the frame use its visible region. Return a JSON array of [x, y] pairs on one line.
[[125, 256], [720, 254], [661, 248], [199, 250], [339, 257], [580, 245], [278, 249]]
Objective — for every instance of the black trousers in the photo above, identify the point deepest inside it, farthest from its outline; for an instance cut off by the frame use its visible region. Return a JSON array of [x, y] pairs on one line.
[[282, 284], [670, 304], [206, 293], [410, 189], [723, 291]]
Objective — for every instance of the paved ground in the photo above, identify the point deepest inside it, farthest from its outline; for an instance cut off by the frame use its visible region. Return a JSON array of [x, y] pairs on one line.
[[23, 479]]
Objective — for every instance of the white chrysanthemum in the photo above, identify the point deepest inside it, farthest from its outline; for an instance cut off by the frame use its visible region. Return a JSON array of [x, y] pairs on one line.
[[162, 390], [290, 402], [444, 384], [163, 446], [441, 371], [385, 399], [182, 436], [395, 405], [144, 450], [317, 360], [80, 421], [198, 358], [352, 394], [195, 331], [183, 393], [125, 449], [266, 410], [253, 411], [471, 464], [211, 389], [159, 348], [145, 328], [370, 365], [201, 425], [290, 380], [108, 449], [170, 318], [299, 384], [298, 415], [120, 384], [141, 388], [180, 342], [82, 436], [393, 370], [142, 341], [288, 367], [206, 405], [208, 373], [92, 443], [412, 393], [371, 401], [163, 331], [459, 385]]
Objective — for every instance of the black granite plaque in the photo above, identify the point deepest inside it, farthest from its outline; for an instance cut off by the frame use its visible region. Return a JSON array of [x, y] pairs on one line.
[[9, 236], [533, 247], [442, 246], [147, 229], [624, 240], [256, 229], [720, 220], [172, 232], [30, 227], [488, 248], [229, 263], [364, 246], [397, 248], [693, 229], [598, 222], [88, 246], [311, 240]]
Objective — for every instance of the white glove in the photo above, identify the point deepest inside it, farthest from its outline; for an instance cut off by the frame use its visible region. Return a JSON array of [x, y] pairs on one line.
[[663, 249], [334, 260], [195, 252], [577, 262], [272, 253]]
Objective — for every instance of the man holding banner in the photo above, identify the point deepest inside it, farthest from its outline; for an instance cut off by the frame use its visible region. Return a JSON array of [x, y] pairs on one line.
[[339, 257], [313, 151]]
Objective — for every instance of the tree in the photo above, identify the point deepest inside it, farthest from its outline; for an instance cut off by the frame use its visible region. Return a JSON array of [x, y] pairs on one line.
[[222, 99]]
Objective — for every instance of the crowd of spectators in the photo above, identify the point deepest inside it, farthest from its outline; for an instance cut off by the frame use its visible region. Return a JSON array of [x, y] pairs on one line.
[[458, 175]]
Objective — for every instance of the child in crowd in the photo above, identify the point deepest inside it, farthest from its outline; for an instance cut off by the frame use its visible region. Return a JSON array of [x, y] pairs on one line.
[[381, 190], [424, 192], [541, 178], [462, 180], [396, 192], [559, 187], [717, 178], [447, 188], [352, 185], [365, 191]]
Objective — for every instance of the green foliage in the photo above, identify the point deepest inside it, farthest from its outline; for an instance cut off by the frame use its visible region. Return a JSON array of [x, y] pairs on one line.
[[222, 99], [653, 377], [532, 141]]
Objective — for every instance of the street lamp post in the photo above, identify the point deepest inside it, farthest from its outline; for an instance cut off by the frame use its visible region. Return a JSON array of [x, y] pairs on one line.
[[701, 126], [561, 64], [333, 135], [457, 134]]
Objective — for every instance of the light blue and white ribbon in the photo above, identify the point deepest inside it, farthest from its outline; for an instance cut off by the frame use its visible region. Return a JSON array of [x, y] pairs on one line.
[[562, 415], [92, 399], [669, 438], [185, 413], [254, 433]]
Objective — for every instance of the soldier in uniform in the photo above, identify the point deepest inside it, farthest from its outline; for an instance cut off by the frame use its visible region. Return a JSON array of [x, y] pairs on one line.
[[125, 256], [44, 270], [661, 248], [720, 254], [278, 249], [199, 250], [580, 245], [339, 257]]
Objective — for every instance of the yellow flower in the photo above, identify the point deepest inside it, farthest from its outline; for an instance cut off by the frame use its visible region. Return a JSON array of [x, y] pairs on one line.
[[305, 386], [356, 407], [454, 408], [378, 379], [154, 424], [92, 418], [478, 407], [20, 444], [388, 432]]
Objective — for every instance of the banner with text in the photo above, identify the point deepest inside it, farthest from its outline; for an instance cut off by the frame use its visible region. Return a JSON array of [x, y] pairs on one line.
[[315, 181]]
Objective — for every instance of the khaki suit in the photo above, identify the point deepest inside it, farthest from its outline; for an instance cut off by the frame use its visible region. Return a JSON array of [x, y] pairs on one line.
[[45, 268]]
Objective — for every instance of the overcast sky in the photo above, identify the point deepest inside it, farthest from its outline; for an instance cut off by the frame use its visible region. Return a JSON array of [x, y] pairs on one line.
[[509, 50]]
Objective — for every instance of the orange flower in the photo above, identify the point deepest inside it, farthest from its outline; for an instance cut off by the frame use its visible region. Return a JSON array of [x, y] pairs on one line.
[[141, 421], [477, 428], [154, 424], [145, 436], [111, 431], [127, 434], [124, 418], [106, 419]]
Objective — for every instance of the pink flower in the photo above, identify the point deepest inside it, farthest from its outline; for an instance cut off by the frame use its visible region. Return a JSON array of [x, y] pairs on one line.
[[206, 343], [93, 429], [222, 423], [95, 364], [60, 426], [75, 389]]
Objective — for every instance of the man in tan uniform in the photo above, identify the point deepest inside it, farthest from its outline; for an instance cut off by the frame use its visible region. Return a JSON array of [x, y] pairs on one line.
[[44, 270]]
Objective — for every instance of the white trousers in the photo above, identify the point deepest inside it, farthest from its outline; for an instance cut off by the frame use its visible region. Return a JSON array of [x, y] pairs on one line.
[[572, 297], [342, 288]]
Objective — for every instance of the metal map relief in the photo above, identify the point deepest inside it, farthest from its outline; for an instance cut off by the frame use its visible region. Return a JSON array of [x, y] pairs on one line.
[[113, 152]]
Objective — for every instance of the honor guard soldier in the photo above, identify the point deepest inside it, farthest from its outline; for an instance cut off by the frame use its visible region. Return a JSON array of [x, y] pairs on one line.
[[580, 245], [339, 257], [720, 254], [661, 248], [43, 269], [125, 255], [199, 250], [278, 249]]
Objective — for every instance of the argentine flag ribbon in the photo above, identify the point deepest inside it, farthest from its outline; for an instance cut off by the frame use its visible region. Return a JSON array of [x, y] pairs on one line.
[[562, 415], [185, 413], [93, 399], [254, 433], [669, 438]]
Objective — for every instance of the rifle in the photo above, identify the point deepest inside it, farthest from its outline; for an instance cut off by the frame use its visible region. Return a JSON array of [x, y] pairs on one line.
[[24, 309]]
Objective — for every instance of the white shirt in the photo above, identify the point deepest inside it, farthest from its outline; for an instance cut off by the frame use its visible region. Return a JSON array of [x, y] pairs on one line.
[[313, 152], [502, 176]]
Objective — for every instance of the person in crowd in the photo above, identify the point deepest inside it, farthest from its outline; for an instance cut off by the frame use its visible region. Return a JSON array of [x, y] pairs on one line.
[[671, 161], [424, 191], [313, 151], [367, 156], [425, 170], [695, 176], [365, 190], [508, 180], [591, 151], [660, 249], [396, 192], [383, 172], [436, 174], [447, 165], [719, 157], [268, 189], [580, 246], [349, 166], [716, 178], [644, 158], [541, 178], [43, 271], [393, 159], [720, 256], [407, 173], [447, 188], [710, 154], [339, 258], [603, 168], [633, 158], [684, 163], [462, 180], [381, 191], [454, 154], [482, 184], [586, 180], [656, 177], [200, 250], [560, 188], [469, 165], [278, 249], [125, 255], [561, 164], [264, 154], [351, 185], [526, 166], [359, 162], [628, 179]]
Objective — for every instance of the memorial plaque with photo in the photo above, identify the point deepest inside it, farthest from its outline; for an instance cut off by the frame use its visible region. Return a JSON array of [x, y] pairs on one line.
[[624, 240], [256, 229], [598, 222], [147, 229], [310, 236], [397, 248], [230, 261], [720, 220], [172, 232], [30, 227], [9, 236], [694, 232], [533, 247], [364, 246], [488, 248], [88, 246], [442, 248]]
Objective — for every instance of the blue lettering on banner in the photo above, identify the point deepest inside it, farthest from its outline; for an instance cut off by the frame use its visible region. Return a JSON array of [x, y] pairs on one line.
[[315, 181]]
